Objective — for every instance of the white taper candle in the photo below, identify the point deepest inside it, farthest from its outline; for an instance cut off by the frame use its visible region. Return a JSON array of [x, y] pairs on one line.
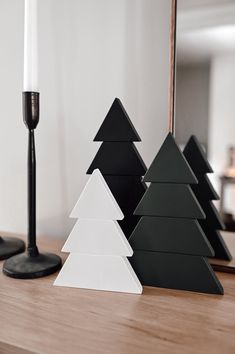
[[31, 46]]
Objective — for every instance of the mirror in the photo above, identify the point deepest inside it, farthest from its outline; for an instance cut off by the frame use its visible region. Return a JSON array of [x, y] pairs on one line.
[[205, 90]]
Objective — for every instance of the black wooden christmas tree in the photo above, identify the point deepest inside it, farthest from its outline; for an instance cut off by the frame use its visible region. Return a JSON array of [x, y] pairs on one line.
[[170, 247], [120, 163], [205, 193]]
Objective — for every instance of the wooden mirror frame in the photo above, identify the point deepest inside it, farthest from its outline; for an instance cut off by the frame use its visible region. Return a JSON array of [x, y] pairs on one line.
[[217, 264]]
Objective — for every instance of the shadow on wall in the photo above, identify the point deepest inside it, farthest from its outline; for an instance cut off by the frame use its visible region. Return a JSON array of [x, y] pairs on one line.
[[89, 52]]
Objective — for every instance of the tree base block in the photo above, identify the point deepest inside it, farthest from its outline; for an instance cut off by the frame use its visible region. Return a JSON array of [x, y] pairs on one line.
[[23, 266], [175, 271], [10, 246]]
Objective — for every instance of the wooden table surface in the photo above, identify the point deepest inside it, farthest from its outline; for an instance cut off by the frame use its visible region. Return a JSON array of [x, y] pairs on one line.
[[37, 317]]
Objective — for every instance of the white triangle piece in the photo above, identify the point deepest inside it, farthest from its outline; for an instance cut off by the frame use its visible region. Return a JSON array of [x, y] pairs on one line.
[[96, 201], [94, 236], [110, 273]]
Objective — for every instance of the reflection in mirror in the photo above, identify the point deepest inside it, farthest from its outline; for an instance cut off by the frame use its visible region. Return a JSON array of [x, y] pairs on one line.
[[205, 89]]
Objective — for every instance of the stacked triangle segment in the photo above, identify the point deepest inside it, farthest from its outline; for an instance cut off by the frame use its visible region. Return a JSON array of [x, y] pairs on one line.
[[118, 159], [170, 246], [120, 163], [96, 201], [159, 236], [205, 193], [98, 248], [170, 159], [117, 125]]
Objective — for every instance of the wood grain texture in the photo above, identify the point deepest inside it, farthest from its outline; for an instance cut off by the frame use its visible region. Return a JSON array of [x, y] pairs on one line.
[[40, 318]]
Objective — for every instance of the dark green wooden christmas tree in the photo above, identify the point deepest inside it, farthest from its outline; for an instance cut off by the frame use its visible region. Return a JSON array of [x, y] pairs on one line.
[[170, 247], [205, 193], [120, 163]]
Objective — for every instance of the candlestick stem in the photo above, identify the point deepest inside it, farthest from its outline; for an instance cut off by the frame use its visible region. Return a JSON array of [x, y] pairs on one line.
[[32, 248]]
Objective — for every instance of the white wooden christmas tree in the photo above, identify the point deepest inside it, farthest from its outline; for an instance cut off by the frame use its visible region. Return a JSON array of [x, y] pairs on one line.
[[98, 248]]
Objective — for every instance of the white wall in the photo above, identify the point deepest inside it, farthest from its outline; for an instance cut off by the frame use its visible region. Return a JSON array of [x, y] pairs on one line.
[[90, 52], [192, 102]]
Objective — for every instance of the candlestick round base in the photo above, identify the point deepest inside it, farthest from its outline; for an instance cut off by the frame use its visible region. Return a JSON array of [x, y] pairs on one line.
[[10, 246], [24, 266]]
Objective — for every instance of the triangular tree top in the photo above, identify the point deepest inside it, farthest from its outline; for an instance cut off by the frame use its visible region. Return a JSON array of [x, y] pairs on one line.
[[96, 201], [170, 165], [117, 125], [196, 157]]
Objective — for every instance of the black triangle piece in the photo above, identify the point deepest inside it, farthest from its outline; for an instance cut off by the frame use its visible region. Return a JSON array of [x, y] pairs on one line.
[[117, 125], [172, 200], [217, 242], [128, 191], [161, 234], [121, 159], [196, 157], [175, 271], [128, 224], [170, 165], [212, 216], [204, 190]]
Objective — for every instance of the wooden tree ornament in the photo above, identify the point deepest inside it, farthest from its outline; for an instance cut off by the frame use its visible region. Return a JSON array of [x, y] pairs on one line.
[[98, 248], [170, 247], [120, 163], [205, 193]]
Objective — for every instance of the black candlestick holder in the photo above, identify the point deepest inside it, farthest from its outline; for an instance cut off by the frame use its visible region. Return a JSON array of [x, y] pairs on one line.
[[32, 263]]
